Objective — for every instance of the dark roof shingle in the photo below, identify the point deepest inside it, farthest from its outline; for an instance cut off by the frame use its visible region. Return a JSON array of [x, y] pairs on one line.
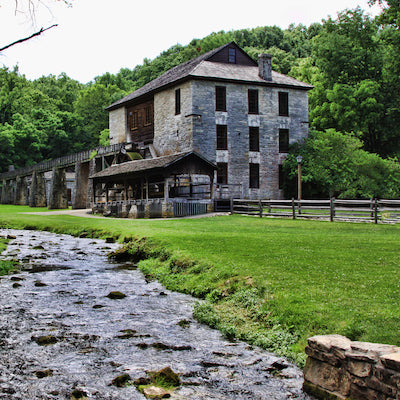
[[148, 164], [200, 67]]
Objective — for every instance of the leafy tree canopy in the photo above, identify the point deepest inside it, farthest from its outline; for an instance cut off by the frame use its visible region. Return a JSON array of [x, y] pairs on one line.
[[335, 165]]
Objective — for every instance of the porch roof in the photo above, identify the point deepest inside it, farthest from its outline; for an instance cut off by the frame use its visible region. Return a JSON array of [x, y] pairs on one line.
[[179, 163]]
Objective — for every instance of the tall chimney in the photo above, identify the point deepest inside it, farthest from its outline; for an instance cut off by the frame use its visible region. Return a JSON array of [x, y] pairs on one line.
[[265, 67]]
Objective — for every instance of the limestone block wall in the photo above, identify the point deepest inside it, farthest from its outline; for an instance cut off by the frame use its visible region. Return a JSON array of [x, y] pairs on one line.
[[173, 133], [238, 122], [118, 126], [337, 368]]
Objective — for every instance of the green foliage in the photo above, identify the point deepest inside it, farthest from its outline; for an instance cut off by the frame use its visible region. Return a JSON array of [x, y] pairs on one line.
[[104, 138], [90, 105], [358, 85], [335, 165]]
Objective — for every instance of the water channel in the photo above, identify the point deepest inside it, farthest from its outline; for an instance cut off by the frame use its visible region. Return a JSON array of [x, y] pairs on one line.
[[60, 294]]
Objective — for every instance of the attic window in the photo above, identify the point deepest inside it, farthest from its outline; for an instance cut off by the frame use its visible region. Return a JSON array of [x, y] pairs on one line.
[[232, 56]]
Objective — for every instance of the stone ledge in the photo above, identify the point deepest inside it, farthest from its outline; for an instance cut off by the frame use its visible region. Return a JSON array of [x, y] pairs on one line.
[[338, 368]]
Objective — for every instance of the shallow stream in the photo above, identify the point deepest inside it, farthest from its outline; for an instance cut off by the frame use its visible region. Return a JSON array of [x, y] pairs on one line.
[[89, 339]]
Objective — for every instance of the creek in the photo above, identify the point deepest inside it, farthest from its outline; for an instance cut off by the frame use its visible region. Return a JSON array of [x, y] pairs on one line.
[[60, 334]]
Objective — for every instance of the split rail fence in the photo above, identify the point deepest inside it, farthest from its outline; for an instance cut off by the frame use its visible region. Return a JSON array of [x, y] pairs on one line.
[[374, 210]]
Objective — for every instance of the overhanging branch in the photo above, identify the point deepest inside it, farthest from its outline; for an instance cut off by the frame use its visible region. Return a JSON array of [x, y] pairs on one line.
[[29, 37]]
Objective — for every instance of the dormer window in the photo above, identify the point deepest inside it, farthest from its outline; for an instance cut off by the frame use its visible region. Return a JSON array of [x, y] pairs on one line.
[[232, 56]]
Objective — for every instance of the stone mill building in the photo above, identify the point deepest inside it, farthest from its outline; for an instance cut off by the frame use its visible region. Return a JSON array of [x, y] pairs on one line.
[[223, 107]]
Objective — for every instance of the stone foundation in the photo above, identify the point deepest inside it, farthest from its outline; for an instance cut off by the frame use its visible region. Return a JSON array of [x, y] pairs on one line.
[[154, 208], [338, 368]]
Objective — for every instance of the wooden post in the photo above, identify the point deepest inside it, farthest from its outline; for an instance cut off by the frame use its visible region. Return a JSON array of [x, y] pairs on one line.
[[376, 211], [260, 208], [126, 187], [293, 209], [332, 209], [166, 189]]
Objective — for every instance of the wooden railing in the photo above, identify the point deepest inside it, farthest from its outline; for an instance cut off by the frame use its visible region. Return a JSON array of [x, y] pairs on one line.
[[63, 162], [373, 210]]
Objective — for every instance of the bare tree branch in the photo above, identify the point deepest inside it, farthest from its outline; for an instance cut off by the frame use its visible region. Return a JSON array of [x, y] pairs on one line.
[[29, 37]]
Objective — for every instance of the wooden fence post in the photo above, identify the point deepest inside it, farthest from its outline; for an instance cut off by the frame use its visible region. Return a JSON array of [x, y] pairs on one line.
[[332, 209], [376, 210], [293, 209], [260, 208]]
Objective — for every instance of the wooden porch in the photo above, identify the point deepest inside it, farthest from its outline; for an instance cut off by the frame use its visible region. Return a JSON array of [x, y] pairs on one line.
[[155, 187]]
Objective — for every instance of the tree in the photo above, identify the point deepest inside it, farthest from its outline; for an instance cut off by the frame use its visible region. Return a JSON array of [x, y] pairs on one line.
[[335, 165], [90, 108], [348, 49]]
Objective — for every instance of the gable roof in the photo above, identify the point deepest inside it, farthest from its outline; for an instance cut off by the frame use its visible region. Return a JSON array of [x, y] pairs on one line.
[[149, 165], [207, 66]]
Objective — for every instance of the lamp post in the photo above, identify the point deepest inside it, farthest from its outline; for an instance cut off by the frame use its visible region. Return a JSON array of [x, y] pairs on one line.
[[299, 160]]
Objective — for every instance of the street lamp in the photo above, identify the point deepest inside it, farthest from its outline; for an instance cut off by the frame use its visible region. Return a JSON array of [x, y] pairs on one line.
[[299, 160]]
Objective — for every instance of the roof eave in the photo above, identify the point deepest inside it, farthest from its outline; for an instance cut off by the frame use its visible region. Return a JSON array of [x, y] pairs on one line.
[[146, 95], [249, 82]]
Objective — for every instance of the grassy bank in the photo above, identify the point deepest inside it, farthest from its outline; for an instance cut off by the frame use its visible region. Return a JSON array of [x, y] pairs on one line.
[[271, 282], [6, 266]]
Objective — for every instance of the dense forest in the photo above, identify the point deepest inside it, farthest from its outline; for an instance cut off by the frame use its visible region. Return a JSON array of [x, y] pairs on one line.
[[353, 61]]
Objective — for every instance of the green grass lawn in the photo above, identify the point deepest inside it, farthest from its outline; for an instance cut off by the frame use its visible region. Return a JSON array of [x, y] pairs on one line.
[[273, 282]]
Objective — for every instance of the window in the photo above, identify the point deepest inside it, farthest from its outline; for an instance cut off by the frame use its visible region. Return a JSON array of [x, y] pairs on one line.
[[254, 175], [222, 173], [134, 120], [232, 56], [283, 104], [253, 101], [220, 98], [283, 140], [177, 101], [148, 116], [222, 137], [254, 138]]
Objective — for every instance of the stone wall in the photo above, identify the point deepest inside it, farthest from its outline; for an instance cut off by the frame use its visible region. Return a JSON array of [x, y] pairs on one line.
[[337, 368], [173, 133], [117, 125], [238, 122]]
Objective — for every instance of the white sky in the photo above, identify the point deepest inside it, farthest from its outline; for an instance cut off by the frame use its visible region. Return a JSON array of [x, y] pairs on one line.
[[98, 36]]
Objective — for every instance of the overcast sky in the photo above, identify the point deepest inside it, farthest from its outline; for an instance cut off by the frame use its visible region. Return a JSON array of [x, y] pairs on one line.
[[98, 36]]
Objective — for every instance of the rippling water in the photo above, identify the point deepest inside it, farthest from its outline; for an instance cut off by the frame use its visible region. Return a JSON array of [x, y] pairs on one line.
[[61, 294]]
